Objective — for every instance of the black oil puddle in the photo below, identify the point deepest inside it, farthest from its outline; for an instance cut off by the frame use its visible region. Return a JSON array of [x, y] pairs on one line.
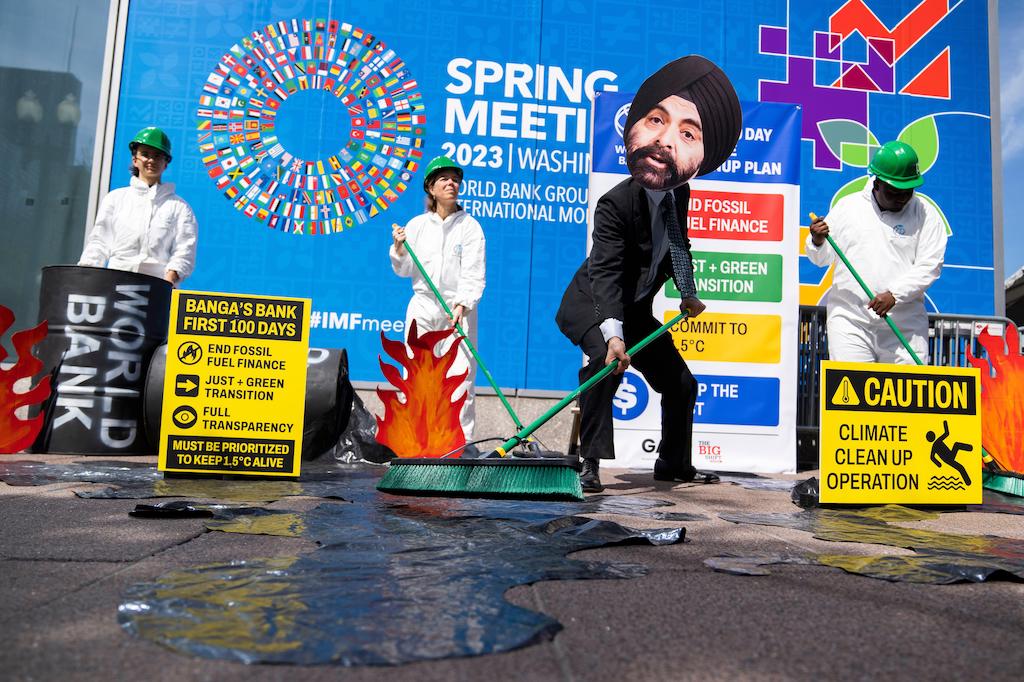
[[394, 580], [939, 558]]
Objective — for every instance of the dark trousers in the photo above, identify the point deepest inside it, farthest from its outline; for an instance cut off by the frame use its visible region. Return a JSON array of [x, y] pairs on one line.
[[666, 372]]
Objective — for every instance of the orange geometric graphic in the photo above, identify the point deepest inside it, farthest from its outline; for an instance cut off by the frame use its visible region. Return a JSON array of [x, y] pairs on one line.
[[17, 434], [933, 81], [427, 423], [1002, 398], [855, 16]]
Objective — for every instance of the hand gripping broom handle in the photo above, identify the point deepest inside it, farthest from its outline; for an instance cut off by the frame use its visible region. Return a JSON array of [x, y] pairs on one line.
[[465, 339], [515, 440], [867, 290]]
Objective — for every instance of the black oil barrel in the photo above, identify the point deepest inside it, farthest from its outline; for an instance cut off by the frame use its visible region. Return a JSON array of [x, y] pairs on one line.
[[328, 401], [104, 326]]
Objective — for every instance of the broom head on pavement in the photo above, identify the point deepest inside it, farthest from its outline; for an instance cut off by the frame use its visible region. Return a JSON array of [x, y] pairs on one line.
[[554, 478]]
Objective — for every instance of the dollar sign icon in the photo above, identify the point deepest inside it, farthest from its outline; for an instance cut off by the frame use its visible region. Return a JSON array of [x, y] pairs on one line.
[[625, 398]]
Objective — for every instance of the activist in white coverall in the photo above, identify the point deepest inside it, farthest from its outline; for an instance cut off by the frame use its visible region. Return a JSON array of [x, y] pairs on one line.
[[897, 243], [450, 245], [145, 227]]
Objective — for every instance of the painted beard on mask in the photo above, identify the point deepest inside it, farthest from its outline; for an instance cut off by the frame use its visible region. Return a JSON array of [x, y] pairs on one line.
[[655, 168]]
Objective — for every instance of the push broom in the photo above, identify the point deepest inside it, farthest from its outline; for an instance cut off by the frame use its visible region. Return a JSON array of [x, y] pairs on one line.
[[1004, 483], [465, 338], [500, 475]]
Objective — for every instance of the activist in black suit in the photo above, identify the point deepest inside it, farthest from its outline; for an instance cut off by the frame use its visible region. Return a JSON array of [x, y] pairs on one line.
[[684, 122]]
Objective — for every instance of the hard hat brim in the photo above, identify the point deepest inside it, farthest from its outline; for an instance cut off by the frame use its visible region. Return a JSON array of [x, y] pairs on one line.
[[913, 183]]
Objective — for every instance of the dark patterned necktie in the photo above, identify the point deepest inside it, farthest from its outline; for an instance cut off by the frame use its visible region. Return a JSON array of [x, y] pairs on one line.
[[682, 269]]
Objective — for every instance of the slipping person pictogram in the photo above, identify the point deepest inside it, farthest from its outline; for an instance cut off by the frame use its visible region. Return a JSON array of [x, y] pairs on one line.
[[941, 452]]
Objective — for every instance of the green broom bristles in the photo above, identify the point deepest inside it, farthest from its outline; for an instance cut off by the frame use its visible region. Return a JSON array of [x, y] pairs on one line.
[[1003, 482], [533, 479]]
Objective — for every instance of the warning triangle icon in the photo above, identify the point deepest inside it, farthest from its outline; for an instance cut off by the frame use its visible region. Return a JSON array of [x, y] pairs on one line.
[[845, 395]]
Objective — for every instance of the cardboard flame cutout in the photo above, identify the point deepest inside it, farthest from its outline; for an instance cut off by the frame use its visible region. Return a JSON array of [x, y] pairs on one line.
[[17, 434], [427, 423], [1002, 398]]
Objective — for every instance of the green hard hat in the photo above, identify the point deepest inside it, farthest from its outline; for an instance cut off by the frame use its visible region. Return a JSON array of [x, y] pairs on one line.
[[895, 163], [154, 137], [439, 163]]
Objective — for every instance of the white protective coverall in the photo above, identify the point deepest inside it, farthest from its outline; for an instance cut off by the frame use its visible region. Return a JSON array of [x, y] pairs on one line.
[[452, 252], [143, 229], [897, 252]]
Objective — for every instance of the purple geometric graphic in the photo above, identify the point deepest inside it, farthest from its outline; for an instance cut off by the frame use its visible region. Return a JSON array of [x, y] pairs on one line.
[[819, 104], [827, 45], [773, 40]]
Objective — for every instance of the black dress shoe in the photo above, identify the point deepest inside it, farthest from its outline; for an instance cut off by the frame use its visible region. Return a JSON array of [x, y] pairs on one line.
[[666, 471], [590, 480]]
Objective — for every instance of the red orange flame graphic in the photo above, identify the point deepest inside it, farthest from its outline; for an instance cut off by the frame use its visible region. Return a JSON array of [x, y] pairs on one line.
[[1002, 398], [427, 423], [17, 434]]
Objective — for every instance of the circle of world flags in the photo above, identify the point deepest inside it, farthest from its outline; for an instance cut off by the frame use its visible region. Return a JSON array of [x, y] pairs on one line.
[[243, 95]]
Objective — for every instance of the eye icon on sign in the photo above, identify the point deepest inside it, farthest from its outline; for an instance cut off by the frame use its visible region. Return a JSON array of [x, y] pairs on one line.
[[184, 417], [190, 352]]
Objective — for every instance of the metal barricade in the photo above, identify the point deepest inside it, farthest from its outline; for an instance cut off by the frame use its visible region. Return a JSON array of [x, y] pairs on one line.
[[949, 338]]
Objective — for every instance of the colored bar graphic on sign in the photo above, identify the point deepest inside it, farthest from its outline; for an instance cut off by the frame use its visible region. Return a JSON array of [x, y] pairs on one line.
[[720, 337], [735, 277], [735, 215], [753, 401]]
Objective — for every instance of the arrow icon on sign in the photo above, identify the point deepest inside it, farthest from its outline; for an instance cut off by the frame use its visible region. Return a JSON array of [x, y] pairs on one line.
[[186, 385]]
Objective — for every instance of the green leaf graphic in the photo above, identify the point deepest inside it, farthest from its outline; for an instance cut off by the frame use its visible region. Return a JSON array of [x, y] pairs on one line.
[[857, 155], [923, 136], [852, 187], [840, 132]]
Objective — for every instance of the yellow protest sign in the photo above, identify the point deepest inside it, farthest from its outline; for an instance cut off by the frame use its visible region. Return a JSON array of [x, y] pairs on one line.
[[725, 337], [235, 384], [899, 434]]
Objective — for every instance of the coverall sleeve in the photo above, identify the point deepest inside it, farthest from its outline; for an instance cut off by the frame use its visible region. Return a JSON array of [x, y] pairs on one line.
[[824, 255], [928, 260], [402, 263], [186, 236], [473, 273], [101, 237]]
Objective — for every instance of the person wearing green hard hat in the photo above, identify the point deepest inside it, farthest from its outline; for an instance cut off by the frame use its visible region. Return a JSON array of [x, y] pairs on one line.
[[145, 227], [450, 245], [896, 242]]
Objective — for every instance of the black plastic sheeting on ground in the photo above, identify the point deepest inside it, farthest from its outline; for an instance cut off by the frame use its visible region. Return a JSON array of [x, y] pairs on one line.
[[806, 494], [135, 481], [324, 478], [394, 581], [187, 509], [939, 558], [754, 482]]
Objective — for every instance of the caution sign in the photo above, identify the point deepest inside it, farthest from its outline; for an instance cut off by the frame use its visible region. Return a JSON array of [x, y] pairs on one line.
[[898, 434], [235, 384]]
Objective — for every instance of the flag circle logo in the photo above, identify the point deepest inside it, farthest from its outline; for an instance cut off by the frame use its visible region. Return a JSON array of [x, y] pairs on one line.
[[239, 145]]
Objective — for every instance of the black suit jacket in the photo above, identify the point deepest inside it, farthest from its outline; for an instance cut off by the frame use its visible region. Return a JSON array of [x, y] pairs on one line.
[[609, 280]]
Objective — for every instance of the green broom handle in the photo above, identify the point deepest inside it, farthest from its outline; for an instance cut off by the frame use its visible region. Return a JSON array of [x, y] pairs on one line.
[[605, 371], [867, 290], [469, 345]]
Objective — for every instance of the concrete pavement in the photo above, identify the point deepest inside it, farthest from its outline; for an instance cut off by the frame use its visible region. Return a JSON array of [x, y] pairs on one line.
[[67, 561]]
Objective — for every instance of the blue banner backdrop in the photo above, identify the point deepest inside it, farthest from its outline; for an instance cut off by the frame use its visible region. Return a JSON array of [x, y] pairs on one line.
[[318, 117]]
